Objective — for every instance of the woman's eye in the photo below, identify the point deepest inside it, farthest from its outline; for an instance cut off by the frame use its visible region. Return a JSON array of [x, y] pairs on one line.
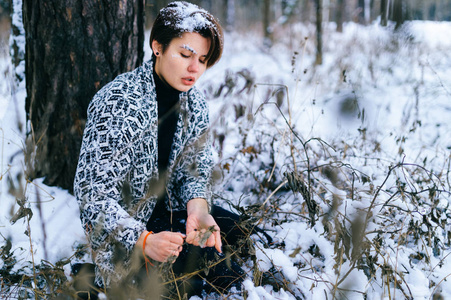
[[184, 56], [203, 61]]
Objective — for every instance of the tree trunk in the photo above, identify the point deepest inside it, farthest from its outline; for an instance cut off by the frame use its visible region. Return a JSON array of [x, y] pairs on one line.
[[152, 8], [385, 4], [319, 32], [400, 12], [326, 11], [230, 19], [367, 12], [266, 23], [361, 11], [340, 14], [73, 48]]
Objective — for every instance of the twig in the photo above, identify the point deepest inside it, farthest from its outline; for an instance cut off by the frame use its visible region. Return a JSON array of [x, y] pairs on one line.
[[275, 191], [439, 79], [32, 258], [175, 283], [437, 285], [1, 154]]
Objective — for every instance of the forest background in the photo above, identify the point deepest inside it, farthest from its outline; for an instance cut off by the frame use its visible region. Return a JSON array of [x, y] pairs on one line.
[[354, 215]]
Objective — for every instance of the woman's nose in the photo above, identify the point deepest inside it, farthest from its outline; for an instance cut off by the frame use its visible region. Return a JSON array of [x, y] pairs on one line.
[[193, 66]]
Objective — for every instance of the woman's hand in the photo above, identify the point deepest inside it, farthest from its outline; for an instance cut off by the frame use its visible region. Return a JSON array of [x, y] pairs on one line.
[[161, 246], [201, 227]]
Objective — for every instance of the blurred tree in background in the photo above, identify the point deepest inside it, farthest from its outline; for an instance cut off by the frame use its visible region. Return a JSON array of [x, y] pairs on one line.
[[5, 20]]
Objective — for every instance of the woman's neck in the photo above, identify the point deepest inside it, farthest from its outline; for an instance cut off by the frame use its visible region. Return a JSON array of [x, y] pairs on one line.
[[162, 86]]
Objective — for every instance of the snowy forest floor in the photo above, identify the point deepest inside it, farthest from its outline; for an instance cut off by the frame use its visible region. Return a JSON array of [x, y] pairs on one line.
[[346, 165]]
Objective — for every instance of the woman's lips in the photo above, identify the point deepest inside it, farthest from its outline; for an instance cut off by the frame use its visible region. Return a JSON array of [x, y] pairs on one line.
[[188, 80]]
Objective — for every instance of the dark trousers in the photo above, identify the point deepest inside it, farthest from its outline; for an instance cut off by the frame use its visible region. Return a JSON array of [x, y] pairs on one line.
[[203, 268]]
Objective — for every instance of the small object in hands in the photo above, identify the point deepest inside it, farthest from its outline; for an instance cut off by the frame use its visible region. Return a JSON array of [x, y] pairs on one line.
[[204, 234], [171, 259]]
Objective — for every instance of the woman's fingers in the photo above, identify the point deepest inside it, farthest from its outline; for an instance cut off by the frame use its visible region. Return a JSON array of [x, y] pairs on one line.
[[191, 238], [166, 245], [177, 238], [205, 238], [215, 241], [163, 245], [218, 242], [198, 238]]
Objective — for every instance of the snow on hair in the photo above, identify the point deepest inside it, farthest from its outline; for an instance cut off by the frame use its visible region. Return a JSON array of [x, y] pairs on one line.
[[190, 17]]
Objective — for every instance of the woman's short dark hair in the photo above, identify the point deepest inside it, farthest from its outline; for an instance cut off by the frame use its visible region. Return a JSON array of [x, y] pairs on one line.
[[180, 17]]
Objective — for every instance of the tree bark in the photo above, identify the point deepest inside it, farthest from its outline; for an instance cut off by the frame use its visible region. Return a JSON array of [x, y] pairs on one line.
[[73, 48]]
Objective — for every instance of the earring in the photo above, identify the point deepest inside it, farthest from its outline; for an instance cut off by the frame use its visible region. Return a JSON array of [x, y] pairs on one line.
[[157, 53]]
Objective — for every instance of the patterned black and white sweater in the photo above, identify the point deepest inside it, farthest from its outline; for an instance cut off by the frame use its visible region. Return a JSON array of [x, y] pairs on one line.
[[120, 146]]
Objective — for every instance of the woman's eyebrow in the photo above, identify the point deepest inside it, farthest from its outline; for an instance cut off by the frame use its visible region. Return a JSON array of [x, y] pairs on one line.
[[187, 47]]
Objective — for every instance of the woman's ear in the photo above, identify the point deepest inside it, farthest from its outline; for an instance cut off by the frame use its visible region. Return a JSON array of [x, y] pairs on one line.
[[156, 48]]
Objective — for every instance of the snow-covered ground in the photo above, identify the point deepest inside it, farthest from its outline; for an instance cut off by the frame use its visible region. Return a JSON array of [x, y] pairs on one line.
[[378, 96]]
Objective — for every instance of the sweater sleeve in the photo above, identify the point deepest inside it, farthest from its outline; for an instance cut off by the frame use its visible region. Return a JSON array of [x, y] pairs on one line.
[[192, 175], [105, 160]]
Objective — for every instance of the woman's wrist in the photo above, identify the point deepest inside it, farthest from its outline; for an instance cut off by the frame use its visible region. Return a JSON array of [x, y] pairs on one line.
[[140, 241], [198, 206]]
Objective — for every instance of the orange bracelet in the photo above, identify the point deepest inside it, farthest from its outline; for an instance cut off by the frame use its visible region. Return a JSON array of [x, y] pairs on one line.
[[147, 261]]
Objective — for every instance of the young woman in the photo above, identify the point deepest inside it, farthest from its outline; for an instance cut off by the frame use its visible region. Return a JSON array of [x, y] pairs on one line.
[[143, 177]]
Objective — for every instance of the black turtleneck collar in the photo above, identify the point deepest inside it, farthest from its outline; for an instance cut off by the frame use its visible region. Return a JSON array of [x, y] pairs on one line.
[[168, 111], [165, 91]]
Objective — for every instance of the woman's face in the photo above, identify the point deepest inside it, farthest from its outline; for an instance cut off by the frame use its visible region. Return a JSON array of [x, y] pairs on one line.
[[184, 60]]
